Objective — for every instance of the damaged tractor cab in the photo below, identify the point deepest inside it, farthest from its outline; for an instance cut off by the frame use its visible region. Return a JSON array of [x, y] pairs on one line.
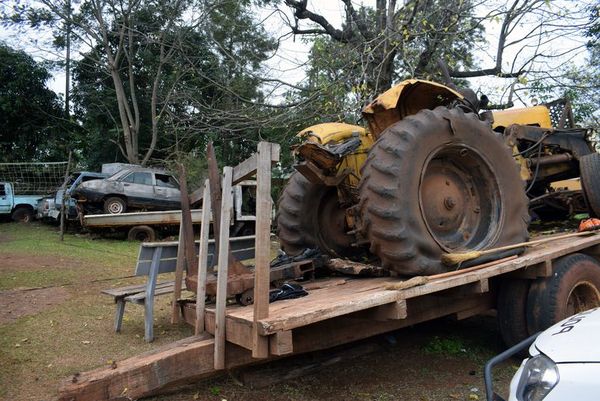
[[430, 175]]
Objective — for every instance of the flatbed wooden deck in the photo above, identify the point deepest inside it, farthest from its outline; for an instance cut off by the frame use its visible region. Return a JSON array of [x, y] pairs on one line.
[[336, 297]]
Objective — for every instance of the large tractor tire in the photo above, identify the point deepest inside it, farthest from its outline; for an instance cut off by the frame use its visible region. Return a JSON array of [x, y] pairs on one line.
[[589, 166], [436, 182], [574, 287], [309, 216]]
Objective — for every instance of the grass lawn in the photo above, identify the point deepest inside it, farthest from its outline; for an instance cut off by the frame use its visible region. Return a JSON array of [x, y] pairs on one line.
[[54, 323], [60, 322]]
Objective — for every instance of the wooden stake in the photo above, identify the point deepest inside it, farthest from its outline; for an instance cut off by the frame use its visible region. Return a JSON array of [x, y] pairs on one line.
[[186, 242], [221, 303], [235, 266], [260, 344], [178, 268], [203, 260]]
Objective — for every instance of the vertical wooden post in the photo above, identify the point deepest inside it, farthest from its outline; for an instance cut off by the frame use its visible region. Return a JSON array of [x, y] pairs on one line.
[[260, 344], [222, 275], [203, 260], [180, 264], [149, 301], [62, 203], [186, 244]]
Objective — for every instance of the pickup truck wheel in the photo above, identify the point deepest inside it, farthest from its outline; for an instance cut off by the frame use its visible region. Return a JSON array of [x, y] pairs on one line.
[[141, 233], [574, 287], [22, 215], [589, 165], [114, 205], [512, 310]]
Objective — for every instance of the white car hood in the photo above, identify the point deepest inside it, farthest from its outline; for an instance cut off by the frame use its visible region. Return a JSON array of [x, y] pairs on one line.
[[574, 339]]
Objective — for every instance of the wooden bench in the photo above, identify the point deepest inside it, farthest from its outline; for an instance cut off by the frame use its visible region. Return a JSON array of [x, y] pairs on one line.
[[154, 259]]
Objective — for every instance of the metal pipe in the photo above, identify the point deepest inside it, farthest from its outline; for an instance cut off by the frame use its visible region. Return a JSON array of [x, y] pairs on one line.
[[552, 159]]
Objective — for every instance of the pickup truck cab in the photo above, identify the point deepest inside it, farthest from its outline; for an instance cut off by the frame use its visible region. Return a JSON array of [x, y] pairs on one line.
[[48, 208], [19, 207], [134, 188]]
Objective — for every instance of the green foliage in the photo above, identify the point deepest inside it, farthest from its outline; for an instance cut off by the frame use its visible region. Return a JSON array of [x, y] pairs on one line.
[[208, 89], [32, 122], [445, 346]]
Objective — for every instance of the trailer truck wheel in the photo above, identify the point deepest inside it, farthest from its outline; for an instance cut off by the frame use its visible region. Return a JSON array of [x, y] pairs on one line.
[[589, 167], [573, 288], [22, 214], [114, 205], [439, 181], [141, 233], [512, 310], [309, 216]]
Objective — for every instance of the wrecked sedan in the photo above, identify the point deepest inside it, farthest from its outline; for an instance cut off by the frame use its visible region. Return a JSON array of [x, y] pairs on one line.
[[128, 190]]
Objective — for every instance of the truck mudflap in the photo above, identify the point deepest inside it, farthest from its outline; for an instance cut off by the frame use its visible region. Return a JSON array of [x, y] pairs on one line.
[[490, 394]]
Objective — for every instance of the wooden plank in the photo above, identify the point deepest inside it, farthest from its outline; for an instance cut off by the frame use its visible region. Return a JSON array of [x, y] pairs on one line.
[[324, 304], [392, 311], [149, 304], [245, 169], [226, 204], [236, 332], [248, 167], [183, 361], [262, 248], [281, 343], [178, 268], [537, 255], [202, 264]]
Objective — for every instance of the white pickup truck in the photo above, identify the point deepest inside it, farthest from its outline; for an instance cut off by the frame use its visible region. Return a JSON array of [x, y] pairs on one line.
[[564, 363], [19, 207]]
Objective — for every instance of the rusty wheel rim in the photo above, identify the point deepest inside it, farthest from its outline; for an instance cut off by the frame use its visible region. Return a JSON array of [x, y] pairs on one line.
[[459, 199], [582, 297]]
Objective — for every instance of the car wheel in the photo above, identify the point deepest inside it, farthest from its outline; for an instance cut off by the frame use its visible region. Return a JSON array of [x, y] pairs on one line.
[[141, 233], [573, 287], [22, 215], [114, 205]]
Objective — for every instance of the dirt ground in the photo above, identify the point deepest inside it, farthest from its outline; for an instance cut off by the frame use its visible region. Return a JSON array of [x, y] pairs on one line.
[[54, 322]]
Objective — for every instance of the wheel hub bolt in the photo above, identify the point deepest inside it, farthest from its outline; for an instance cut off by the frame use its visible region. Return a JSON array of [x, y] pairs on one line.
[[449, 203]]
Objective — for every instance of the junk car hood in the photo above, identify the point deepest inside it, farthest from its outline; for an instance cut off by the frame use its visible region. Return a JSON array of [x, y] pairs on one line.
[[574, 339]]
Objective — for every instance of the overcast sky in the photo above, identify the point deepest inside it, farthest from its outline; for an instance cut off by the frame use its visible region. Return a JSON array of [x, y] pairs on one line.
[[288, 62]]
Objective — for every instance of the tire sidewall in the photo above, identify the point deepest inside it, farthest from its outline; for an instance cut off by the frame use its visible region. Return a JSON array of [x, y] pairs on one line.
[[22, 215], [438, 129], [548, 298]]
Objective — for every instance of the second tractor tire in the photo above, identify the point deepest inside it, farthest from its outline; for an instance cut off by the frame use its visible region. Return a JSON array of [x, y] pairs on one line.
[[435, 182], [309, 216]]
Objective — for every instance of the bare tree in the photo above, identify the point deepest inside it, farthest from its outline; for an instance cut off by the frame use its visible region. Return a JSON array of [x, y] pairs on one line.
[[400, 39]]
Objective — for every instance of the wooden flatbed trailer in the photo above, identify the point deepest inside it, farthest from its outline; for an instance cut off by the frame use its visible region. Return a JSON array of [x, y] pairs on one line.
[[337, 310]]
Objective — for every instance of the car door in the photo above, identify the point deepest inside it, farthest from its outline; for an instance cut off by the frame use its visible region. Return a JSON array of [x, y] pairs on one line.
[[5, 198], [166, 191], [138, 188]]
